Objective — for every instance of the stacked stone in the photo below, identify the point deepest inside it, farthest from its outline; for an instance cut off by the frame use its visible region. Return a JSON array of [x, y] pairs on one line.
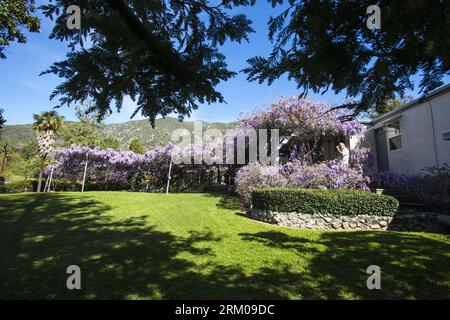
[[401, 222]]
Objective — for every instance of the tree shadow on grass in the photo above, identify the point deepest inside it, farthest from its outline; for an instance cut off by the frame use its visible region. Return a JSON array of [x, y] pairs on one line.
[[228, 201], [119, 258], [412, 266], [129, 258]]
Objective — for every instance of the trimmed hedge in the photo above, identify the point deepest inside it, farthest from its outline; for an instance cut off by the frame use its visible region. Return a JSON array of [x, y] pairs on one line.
[[60, 185], [29, 185], [314, 201], [17, 186]]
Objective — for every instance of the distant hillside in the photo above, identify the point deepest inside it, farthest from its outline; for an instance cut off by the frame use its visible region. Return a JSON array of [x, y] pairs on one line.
[[18, 133], [124, 132]]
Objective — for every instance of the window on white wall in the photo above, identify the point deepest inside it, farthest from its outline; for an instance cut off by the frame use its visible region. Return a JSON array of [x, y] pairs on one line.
[[446, 135], [394, 135]]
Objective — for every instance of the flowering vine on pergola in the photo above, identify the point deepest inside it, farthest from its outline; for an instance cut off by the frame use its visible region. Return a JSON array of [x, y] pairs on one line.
[[304, 121], [111, 165], [108, 164]]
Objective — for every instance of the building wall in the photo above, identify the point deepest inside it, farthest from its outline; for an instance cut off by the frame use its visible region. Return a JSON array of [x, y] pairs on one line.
[[417, 151], [441, 114], [370, 143], [422, 141]]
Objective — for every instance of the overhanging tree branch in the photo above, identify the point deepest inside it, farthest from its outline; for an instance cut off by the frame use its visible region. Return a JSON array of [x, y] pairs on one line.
[[169, 60]]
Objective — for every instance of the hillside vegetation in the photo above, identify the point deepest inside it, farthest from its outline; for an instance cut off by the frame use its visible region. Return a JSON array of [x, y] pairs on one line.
[[124, 132]]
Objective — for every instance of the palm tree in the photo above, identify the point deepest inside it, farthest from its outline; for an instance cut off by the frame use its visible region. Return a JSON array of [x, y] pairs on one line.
[[47, 124]]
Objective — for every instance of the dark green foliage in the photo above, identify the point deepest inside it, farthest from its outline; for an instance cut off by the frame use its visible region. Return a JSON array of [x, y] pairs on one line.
[[135, 183], [163, 54], [312, 201], [87, 132], [22, 160], [136, 146], [389, 106], [63, 185], [111, 143], [18, 186], [28, 150], [326, 45], [16, 15]]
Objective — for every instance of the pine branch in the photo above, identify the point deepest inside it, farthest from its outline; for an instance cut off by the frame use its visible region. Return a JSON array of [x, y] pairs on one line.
[[169, 60]]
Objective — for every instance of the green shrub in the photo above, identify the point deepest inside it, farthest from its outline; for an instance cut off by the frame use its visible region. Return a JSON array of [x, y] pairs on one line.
[[17, 186], [314, 201], [67, 185], [64, 185]]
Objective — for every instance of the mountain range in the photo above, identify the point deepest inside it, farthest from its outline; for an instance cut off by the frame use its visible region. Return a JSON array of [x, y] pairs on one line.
[[125, 132]]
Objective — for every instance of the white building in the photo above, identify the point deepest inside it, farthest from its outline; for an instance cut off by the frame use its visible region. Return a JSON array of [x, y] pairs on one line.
[[413, 136]]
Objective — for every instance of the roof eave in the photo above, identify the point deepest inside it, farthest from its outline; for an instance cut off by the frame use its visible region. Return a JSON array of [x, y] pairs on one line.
[[412, 104]]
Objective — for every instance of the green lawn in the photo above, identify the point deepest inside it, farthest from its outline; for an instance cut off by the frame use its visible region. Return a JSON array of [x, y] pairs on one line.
[[137, 245]]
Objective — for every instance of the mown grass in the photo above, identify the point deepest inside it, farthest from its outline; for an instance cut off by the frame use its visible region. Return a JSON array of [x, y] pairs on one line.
[[153, 246]]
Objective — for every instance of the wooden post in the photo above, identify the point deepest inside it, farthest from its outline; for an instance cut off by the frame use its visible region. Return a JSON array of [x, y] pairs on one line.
[[147, 177], [84, 175], [46, 183], [168, 178], [51, 177]]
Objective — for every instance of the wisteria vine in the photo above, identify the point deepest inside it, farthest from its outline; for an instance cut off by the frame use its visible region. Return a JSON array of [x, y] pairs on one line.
[[305, 121]]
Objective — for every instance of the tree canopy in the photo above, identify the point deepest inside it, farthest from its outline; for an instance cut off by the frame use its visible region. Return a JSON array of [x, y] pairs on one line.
[[166, 55], [47, 121], [163, 54], [16, 15], [136, 146], [389, 106], [87, 132], [327, 45]]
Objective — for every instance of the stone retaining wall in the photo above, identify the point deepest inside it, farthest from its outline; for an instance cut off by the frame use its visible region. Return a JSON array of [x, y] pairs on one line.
[[401, 222]]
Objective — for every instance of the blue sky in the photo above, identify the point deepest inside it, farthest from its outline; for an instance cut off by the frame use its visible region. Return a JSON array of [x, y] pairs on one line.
[[24, 92]]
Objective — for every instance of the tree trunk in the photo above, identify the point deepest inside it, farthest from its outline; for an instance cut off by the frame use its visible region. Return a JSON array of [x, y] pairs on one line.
[[219, 178], [5, 159], [41, 170]]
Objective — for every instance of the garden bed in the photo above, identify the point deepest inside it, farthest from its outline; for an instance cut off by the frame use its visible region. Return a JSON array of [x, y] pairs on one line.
[[336, 210], [401, 222]]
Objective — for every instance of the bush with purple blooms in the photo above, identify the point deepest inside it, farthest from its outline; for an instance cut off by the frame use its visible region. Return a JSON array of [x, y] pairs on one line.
[[430, 186], [256, 176]]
